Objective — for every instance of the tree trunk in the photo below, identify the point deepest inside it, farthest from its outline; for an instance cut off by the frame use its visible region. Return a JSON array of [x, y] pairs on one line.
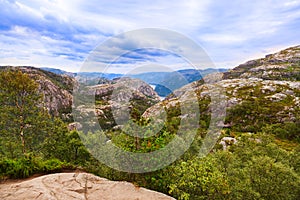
[[137, 143], [22, 140]]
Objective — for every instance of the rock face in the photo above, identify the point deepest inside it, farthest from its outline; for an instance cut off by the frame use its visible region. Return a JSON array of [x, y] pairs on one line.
[[119, 98], [76, 186], [272, 83], [284, 65], [125, 87], [282, 93], [56, 89]]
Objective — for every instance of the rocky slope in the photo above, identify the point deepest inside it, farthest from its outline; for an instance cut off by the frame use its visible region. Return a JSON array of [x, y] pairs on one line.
[[56, 89], [75, 186], [259, 92], [116, 98], [284, 65]]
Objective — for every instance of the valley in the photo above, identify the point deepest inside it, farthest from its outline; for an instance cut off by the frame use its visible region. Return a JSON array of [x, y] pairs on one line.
[[251, 114]]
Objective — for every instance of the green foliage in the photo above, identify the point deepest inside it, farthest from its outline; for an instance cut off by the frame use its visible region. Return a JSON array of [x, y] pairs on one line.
[[20, 116], [287, 130], [55, 165], [199, 179], [255, 168], [255, 113], [20, 168], [29, 165], [65, 146], [28, 132], [270, 179]]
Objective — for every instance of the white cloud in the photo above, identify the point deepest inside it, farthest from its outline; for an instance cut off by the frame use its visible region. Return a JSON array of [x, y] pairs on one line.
[[62, 33]]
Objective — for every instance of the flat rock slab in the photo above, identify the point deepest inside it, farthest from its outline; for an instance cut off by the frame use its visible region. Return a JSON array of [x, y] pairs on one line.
[[71, 186]]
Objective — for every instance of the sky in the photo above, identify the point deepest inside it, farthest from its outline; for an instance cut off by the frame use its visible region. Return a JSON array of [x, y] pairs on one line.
[[126, 34]]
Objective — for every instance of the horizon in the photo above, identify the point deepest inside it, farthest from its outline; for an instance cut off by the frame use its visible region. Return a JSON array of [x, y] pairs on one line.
[[62, 34], [141, 72]]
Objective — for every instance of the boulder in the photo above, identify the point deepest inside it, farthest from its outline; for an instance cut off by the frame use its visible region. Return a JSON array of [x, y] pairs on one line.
[[226, 141], [75, 126]]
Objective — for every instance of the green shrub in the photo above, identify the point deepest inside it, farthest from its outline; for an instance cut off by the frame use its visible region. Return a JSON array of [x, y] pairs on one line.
[[53, 165], [20, 168]]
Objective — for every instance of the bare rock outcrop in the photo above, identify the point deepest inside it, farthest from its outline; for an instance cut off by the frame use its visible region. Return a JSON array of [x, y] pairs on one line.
[[56, 89], [283, 65], [236, 92], [76, 186]]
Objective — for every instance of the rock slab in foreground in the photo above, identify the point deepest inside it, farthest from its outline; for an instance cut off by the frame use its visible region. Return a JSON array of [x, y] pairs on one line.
[[71, 186]]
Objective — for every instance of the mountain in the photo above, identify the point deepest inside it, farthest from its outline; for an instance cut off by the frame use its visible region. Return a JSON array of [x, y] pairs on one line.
[[56, 89], [57, 71], [92, 78], [118, 95], [253, 153], [283, 65], [189, 74], [165, 82], [258, 94]]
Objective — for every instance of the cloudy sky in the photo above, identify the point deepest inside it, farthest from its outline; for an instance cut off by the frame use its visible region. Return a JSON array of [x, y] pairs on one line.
[[63, 33]]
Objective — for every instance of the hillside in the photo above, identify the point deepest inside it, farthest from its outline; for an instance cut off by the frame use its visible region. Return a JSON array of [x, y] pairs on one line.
[[283, 65], [120, 95], [252, 151], [56, 89], [258, 94]]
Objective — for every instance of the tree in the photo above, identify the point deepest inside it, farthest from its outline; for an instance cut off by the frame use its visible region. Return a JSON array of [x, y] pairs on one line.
[[199, 178], [22, 118]]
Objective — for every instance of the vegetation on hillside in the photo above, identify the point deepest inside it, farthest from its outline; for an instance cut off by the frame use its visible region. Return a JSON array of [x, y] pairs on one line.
[[263, 164]]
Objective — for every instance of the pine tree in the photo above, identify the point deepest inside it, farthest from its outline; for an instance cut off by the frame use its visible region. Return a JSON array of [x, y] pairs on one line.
[[22, 119]]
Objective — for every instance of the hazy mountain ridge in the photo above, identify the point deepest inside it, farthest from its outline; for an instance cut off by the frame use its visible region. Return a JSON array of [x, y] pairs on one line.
[[165, 82]]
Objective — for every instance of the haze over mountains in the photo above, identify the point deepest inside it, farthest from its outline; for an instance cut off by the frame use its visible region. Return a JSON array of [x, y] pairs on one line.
[[164, 82]]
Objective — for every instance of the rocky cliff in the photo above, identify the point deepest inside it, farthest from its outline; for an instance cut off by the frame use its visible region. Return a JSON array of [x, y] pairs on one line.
[[57, 92], [56, 89], [121, 96]]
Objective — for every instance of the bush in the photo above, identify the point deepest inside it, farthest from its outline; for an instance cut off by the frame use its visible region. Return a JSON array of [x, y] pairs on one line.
[[20, 168], [55, 165], [29, 165], [288, 130]]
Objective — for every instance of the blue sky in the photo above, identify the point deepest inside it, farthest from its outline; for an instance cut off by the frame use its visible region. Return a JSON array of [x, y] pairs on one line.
[[62, 33]]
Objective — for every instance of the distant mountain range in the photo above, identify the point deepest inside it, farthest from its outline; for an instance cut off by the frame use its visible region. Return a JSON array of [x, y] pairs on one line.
[[165, 82]]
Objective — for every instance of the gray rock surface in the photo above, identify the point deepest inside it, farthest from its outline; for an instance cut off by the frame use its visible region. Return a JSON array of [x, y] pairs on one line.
[[76, 186], [283, 65], [55, 89]]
